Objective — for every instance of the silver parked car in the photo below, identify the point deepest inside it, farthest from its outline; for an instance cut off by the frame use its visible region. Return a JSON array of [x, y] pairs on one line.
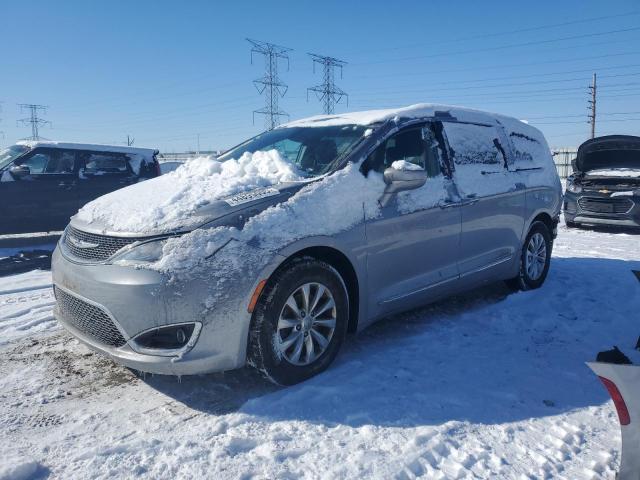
[[270, 254]]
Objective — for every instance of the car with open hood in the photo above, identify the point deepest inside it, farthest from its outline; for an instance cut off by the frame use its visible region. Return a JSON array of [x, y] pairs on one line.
[[271, 253], [604, 189]]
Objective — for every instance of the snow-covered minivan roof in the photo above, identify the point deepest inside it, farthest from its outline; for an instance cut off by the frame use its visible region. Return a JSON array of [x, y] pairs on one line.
[[147, 152], [419, 110]]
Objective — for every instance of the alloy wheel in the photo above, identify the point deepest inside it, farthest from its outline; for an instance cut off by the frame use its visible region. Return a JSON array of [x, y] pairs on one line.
[[306, 324]]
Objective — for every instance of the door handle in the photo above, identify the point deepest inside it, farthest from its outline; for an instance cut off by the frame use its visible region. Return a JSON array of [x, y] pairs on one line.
[[67, 185], [469, 202]]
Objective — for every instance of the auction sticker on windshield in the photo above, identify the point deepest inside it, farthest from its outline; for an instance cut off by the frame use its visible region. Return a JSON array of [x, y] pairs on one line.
[[246, 197]]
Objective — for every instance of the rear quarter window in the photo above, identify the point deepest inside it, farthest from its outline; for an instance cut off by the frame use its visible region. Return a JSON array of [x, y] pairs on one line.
[[527, 150]]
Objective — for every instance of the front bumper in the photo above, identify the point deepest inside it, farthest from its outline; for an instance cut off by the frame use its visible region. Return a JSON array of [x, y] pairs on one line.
[[136, 300], [592, 208]]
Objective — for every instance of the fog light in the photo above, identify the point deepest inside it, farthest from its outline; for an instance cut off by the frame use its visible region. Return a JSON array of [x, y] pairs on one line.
[[171, 337]]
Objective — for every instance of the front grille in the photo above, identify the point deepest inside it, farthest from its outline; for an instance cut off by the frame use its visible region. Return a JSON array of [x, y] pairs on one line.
[[89, 246], [89, 319], [605, 204]]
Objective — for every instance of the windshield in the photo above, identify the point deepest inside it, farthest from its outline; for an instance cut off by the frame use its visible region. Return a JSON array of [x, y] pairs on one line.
[[8, 155], [313, 150]]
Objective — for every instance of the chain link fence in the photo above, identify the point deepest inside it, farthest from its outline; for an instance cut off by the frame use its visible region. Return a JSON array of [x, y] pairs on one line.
[[563, 157]]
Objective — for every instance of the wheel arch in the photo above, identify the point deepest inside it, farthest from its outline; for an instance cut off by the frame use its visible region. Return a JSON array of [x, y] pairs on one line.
[[545, 218], [331, 254]]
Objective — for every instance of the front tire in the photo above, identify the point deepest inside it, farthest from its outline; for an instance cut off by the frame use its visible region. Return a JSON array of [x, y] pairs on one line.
[[535, 259], [299, 323]]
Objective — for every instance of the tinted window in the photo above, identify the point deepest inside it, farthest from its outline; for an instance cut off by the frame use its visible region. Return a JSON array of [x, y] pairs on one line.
[[37, 162], [473, 144], [416, 145], [50, 161], [63, 162], [105, 163]]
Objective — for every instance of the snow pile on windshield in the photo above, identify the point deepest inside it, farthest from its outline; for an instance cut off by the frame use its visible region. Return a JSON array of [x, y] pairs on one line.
[[171, 199], [616, 172]]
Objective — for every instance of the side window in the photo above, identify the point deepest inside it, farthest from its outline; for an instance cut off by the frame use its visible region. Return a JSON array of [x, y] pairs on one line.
[[473, 144], [405, 146], [64, 162], [416, 145], [37, 162], [101, 163]]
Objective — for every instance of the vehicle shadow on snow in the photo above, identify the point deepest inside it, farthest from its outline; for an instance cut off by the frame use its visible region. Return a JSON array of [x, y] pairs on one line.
[[484, 357]]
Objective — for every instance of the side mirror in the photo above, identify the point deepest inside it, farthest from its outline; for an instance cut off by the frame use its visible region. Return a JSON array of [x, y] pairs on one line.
[[19, 171], [401, 179]]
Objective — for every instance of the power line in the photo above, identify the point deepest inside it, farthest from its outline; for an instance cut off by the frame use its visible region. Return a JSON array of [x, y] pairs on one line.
[[503, 47], [34, 120], [328, 92], [500, 85], [270, 84], [609, 120], [508, 32]]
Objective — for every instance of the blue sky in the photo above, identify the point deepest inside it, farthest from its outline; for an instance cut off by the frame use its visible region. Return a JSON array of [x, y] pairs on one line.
[[164, 72]]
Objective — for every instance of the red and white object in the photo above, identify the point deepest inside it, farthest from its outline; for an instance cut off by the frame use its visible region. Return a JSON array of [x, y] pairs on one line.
[[623, 384]]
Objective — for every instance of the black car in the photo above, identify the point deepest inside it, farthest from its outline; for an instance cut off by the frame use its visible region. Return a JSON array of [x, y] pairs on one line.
[[42, 184], [605, 186]]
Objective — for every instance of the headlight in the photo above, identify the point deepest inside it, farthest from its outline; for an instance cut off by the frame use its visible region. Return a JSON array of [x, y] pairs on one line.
[[142, 254], [573, 187]]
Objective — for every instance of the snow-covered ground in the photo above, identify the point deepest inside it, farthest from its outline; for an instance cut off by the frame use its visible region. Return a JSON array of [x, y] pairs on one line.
[[485, 385]]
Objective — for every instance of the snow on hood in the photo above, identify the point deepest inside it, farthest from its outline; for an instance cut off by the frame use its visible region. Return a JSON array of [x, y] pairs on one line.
[[333, 204], [168, 202], [616, 173]]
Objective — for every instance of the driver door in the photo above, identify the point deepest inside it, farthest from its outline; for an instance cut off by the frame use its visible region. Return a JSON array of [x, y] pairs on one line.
[[44, 197], [412, 247]]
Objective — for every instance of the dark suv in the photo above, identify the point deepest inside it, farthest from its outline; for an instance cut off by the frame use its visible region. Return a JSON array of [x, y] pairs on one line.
[[604, 189], [42, 184]]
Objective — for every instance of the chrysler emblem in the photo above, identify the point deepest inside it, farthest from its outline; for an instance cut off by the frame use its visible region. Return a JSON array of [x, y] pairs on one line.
[[76, 242]]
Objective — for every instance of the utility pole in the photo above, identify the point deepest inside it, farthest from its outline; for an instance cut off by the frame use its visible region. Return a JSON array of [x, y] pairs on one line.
[[1, 132], [270, 84], [33, 120], [130, 141], [328, 92], [198, 143], [592, 106]]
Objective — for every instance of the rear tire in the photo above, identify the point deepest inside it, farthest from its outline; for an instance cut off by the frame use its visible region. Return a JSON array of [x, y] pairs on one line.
[[299, 323], [535, 259]]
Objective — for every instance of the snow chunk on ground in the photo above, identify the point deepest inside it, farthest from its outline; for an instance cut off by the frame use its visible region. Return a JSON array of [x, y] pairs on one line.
[[16, 469], [171, 199]]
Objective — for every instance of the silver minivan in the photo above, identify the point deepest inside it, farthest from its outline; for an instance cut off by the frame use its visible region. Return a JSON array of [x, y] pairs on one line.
[[271, 253]]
